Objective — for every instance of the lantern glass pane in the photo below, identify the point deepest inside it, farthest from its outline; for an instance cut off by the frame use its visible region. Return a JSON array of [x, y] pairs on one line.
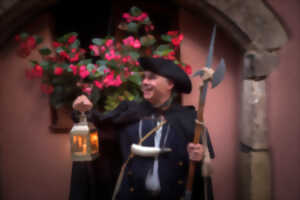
[[94, 142], [79, 145]]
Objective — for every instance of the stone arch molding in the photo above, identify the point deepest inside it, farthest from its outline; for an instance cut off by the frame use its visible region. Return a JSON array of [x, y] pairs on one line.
[[250, 23]]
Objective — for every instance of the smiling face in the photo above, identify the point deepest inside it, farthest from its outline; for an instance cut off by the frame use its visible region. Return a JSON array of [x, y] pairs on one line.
[[156, 89]]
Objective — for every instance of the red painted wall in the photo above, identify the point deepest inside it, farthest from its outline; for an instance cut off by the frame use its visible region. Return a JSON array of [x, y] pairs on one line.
[[222, 103], [35, 163], [284, 107]]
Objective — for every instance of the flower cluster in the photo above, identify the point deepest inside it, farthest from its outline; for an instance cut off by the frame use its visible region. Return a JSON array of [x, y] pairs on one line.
[[108, 72]]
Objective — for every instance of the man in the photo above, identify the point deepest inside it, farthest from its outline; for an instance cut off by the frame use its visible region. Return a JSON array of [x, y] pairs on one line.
[[161, 176]]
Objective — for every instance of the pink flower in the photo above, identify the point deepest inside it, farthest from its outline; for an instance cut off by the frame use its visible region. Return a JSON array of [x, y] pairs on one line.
[[72, 39], [74, 69], [87, 90], [124, 60], [136, 44], [94, 49], [106, 70], [47, 89], [83, 72], [110, 55], [109, 42], [141, 17], [149, 28], [128, 17], [98, 84], [102, 49], [128, 41], [117, 81], [58, 71]]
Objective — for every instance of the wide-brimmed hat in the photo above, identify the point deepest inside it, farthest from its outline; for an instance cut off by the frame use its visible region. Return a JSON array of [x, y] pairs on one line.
[[168, 69]]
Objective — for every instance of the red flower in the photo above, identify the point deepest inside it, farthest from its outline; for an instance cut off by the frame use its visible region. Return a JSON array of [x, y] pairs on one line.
[[188, 69], [74, 69], [31, 42], [72, 39], [176, 41], [56, 44], [63, 54], [58, 71], [18, 38], [98, 84], [74, 58], [172, 33], [37, 71], [47, 89]]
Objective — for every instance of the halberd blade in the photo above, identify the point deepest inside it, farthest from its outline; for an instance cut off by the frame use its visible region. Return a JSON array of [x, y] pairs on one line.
[[219, 74]]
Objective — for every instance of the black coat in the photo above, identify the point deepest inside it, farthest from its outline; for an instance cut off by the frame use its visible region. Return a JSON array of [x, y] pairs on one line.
[[173, 167]]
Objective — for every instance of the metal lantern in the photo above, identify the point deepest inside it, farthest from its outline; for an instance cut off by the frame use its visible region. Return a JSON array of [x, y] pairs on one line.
[[84, 141]]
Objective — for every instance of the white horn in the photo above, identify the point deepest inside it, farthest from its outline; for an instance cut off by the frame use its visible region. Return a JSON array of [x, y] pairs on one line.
[[148, 151]]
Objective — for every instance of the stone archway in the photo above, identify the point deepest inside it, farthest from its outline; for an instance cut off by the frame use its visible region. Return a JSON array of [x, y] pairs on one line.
[[258, 33]]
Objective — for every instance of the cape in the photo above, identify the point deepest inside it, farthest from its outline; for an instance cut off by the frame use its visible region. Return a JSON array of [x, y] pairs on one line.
[[180, 117]]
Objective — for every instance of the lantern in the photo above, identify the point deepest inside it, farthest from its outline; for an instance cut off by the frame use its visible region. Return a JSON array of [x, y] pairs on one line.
[[84, 141]]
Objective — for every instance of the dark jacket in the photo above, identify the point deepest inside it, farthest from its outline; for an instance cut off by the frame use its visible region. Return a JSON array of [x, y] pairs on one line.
[[173, 166]]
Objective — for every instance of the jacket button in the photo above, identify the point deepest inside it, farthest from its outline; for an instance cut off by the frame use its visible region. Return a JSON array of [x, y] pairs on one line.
[[180, 163], [180, 182], [131, 189]]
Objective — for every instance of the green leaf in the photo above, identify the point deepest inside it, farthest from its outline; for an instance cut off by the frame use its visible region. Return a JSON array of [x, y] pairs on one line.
[[59, 49], [147, 21], [98, 41], [163, 50], [135, 55], [163, 47], [45, 51], [75, 44], [101, 69], [38, 39], [45, 65], [85, 62], [148, 40], [34, 63], [166, 38], [135, 11], [132, 27], [136, 79], [101, 62], [90, 67], [65, 37]]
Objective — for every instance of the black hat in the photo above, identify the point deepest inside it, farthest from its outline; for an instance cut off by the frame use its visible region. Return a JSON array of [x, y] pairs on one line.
[[168, 69]]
